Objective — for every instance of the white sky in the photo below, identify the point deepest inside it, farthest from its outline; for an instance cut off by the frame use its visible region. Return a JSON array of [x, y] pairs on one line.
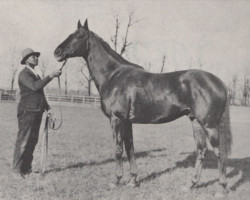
[[214, 33]]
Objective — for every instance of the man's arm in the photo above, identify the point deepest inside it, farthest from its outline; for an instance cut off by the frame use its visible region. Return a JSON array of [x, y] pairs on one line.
[[35, 85]]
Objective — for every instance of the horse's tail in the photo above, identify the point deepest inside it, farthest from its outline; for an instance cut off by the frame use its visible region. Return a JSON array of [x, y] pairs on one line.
[[225, 135]]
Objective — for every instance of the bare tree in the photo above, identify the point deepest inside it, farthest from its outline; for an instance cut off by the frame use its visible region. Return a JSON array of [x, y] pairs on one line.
[[13, 68], [233, 89], [13, 74], [125, 41], [85, 76], [114, 38], [245, 90], [149, 66], [163, 63], [195, 63]]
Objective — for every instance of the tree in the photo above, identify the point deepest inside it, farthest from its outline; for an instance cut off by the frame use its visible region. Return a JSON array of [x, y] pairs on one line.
[[163, 63], [13, 74], [195, 63], [125, 38], [148, 66], [245, 90], [115, 37], [85, 76], [232, 89], [13, 68]]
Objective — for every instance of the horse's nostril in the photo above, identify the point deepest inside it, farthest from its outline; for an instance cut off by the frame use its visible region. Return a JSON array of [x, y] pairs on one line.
[[58, 51]]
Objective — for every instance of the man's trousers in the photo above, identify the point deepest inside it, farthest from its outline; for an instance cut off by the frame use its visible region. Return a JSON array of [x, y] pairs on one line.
[[29, 124]]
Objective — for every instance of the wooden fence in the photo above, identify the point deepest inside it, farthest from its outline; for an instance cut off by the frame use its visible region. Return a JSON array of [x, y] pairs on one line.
[[81, 100], [76, 99]]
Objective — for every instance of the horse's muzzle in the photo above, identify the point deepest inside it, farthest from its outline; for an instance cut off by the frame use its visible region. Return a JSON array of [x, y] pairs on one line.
[[58, 52]]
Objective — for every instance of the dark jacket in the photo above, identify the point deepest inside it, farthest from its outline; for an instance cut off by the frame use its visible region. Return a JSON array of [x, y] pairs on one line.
[[31, 91]]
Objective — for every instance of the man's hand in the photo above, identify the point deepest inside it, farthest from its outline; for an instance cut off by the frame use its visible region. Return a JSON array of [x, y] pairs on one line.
[[50, 113], [56, 73]]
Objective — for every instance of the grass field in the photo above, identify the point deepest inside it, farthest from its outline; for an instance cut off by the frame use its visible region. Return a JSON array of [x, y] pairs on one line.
[[81, 160]]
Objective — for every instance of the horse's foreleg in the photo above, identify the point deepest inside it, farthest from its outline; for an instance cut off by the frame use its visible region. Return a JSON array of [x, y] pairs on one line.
[[129, 146], [201, 145], [117, 128]]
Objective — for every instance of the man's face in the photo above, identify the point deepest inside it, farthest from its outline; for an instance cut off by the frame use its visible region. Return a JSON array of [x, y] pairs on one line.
[[32, 60]]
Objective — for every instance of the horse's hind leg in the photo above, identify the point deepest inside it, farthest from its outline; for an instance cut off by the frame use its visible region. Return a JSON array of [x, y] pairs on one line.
[[201, 145], [213, 136], [118, 128], [129, 146]]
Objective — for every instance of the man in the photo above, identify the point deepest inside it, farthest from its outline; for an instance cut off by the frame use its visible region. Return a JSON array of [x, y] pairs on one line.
[[29, 112]]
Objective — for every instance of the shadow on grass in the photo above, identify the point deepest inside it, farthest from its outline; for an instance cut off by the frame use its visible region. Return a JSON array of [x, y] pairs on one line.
[[141, 154], [154, 175], [238, 165]]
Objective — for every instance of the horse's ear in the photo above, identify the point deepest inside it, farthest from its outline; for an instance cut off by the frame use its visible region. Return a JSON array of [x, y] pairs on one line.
[[86, 26], [79, 25]]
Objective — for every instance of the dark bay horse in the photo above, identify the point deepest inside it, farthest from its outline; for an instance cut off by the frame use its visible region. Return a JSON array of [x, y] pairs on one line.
[[130, 95]]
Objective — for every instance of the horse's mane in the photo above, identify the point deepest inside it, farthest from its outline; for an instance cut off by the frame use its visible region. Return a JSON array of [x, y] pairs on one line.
[[114, 54]]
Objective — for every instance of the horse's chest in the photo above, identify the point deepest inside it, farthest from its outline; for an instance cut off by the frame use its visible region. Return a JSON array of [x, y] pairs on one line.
[[115, 105]]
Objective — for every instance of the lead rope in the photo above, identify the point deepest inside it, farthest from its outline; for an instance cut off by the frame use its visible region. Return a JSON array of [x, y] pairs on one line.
[[45, 147], [59, 91], [50, 123]]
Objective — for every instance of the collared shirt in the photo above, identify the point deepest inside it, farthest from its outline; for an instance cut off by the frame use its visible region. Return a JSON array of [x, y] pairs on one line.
[[34, 72]]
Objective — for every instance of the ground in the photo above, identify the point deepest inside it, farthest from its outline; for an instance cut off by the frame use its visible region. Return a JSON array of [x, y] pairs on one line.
[[81, 160]]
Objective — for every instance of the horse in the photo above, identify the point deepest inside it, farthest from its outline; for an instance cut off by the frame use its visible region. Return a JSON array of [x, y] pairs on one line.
[[129, 95]]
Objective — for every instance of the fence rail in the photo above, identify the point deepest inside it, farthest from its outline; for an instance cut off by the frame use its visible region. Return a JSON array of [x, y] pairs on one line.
[[55, 98], [91, 100]]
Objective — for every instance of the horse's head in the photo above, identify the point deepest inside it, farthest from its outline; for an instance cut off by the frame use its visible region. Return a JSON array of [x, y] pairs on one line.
[[75, 45]]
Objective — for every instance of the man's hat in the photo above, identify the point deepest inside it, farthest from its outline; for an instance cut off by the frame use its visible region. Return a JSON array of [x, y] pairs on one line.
[[27, 53]]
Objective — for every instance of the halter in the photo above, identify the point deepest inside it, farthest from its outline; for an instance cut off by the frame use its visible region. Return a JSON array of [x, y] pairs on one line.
[[87, 42]]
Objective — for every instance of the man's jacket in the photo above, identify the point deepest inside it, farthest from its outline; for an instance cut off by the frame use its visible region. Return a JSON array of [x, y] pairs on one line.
[[31, 91]]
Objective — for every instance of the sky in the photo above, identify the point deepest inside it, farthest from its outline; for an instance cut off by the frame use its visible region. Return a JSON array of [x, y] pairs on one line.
[[213, 34]]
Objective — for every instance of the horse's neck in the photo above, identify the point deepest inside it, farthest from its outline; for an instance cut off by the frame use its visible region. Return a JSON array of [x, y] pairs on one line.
[[100, 63]]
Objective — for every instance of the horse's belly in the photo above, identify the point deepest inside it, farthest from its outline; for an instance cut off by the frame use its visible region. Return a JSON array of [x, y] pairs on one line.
[[155, 113]]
